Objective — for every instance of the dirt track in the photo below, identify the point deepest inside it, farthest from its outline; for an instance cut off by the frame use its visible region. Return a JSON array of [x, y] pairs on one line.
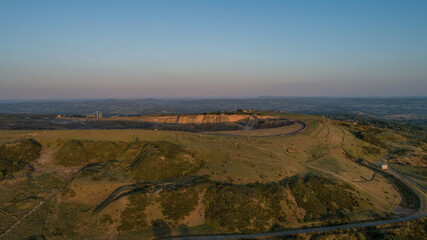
[[419, 213], [19, 221], [293, 129], [422, 212]]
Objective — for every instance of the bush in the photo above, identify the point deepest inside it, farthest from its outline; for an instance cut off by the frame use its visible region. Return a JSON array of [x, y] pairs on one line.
[[262, 207], [247, 208], [179, 203], [323, 198], [133, 217], [14, 156], [369, 137], [371, 150]]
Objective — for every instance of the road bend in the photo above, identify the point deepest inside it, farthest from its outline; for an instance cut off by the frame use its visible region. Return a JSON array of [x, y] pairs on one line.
[[420, 213]]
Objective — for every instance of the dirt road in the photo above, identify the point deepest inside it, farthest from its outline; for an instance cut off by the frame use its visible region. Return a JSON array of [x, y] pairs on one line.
[[420, 213]]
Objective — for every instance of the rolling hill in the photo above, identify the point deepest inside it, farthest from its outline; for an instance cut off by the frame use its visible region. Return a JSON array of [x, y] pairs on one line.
[[144, 184]]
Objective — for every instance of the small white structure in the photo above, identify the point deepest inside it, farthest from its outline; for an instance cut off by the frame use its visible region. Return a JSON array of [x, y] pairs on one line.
[[383, 166]]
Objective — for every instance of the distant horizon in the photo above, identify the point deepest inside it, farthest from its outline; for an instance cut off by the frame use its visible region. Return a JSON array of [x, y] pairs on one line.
[[202, 98]]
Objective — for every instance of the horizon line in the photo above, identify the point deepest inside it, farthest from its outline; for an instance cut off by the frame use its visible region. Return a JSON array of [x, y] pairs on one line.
[[196, 98]]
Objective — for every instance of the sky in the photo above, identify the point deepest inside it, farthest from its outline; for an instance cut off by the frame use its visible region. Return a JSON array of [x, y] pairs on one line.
[[52, 49]]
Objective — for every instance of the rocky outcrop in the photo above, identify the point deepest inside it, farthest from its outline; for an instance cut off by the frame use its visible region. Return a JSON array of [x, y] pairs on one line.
[[203, 119]]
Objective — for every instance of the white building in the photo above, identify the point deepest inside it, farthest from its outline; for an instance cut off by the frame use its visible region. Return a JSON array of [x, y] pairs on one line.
[[383, 166]]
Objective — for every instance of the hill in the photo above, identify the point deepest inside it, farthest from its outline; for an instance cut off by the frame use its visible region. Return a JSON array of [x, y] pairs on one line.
[[143, 184]]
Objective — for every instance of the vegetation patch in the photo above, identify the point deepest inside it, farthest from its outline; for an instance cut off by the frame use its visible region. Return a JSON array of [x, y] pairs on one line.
[[370, 137], [79, 152], [177, 204], [262, 207], [69, 218], [322, 198], [26, 193], [247, 208], [163, 160], [134, 217], [252, 207], [409, 197], [371, 150], [14, 156]]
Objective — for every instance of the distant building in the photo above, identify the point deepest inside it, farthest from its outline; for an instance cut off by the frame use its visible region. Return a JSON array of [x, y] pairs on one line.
[[98, 114], [383, 166], [58, 116], [249, 110]]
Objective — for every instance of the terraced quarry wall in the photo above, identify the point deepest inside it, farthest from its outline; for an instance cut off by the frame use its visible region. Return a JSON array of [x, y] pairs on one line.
[[202, 119]]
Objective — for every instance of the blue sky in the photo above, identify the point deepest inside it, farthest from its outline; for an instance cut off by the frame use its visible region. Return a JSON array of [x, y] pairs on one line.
[[202, 48]]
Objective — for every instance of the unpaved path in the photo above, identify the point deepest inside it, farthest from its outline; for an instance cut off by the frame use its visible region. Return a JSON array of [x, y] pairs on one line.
[[293, 129], [299, 231], [347, 181], [369, 180], [419, 213], [19, 221]]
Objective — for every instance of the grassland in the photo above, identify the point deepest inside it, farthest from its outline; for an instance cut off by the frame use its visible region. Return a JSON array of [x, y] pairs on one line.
[[285, 181]]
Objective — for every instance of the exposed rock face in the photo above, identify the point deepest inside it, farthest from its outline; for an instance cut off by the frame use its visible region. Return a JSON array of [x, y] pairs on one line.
[[214, 122], [203, 119]]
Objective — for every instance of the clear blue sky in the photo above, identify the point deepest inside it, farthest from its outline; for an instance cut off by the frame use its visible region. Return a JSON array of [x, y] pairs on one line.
[[202, 48]]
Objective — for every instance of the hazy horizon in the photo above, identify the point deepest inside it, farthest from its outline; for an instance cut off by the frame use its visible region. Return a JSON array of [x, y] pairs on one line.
[[18, 100], [212, 49]]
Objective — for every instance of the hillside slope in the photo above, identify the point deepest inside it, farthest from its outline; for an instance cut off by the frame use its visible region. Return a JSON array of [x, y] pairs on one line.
[[136, 184]]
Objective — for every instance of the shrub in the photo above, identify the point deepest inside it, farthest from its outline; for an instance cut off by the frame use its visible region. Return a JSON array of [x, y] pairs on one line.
[[246, 208], [371, 150], [133, 217], [179, 203], [323, 198], [369, 137], [14, 156]]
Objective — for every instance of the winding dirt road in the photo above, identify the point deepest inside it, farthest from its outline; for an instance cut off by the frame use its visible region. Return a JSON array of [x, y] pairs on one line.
[[297, 127], [420, 213], [307, 230]]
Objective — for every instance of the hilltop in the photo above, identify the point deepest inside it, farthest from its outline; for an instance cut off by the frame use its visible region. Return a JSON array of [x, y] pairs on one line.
[[183, 122]]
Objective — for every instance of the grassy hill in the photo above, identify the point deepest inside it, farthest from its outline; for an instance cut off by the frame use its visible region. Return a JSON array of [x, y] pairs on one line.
[[143, 184]]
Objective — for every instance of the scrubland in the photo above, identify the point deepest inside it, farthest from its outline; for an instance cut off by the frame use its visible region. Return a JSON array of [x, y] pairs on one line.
[[143, 184]]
